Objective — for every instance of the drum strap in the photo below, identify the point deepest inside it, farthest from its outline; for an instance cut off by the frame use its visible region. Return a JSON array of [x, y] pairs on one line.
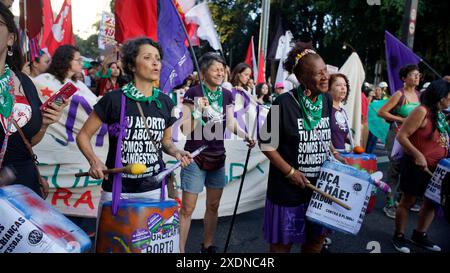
[[117, 178]]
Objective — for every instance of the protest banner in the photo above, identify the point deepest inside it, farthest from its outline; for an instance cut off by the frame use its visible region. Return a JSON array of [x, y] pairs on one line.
[[433, 191], [106, 35], [346, 184]]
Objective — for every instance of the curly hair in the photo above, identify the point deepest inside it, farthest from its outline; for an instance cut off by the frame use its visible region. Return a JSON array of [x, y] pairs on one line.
[[430, 98], [404, 71], [298, 68], [239, 68], [15, 61], [60, 65], [130, 51], [334, 77]]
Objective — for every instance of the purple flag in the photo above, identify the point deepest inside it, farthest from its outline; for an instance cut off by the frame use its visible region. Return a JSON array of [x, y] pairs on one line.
[[177, 63], [397, 56]]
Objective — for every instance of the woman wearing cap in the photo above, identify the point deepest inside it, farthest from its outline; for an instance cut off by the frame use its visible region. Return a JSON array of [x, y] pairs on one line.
[[278, 90], [395, 111], [299, 112]]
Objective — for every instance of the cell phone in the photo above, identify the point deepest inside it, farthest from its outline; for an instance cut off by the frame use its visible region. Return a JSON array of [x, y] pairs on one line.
[[64, 93]]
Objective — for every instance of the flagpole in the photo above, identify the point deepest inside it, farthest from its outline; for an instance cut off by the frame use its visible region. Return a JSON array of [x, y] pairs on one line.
[[429, 66], [190, 46], [25, 27]]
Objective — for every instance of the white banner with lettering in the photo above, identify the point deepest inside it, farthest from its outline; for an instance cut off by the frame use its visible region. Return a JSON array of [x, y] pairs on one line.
[[60, 157]]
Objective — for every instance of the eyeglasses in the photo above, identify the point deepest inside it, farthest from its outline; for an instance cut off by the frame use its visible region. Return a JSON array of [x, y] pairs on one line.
[[79, 60], [415, 74]]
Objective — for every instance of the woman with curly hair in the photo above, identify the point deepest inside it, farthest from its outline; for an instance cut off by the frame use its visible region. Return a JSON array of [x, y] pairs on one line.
[[139, 117], [339, 90], [304, 111]]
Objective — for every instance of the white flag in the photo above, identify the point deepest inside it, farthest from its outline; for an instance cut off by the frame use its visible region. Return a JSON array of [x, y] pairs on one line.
[[201, 15], [354, 70], [284, 46]]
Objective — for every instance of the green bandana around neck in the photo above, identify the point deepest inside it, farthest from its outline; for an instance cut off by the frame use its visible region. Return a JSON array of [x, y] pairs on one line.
[[442, 124], [215, 99], [311, 110], [133, 93], [6, 96]]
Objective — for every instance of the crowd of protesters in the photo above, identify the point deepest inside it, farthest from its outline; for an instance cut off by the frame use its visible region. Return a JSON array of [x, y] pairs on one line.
[[416, 121]]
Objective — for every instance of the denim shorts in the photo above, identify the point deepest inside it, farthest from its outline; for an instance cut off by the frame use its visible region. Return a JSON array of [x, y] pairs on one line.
[[193, 179]]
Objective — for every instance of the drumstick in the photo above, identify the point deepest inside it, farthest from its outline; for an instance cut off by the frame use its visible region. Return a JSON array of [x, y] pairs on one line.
[[163, 174], [135, 168], [428, 171], [337, 201]]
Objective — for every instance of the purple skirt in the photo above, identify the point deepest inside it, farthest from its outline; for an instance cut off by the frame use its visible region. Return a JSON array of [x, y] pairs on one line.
[[288, 225]]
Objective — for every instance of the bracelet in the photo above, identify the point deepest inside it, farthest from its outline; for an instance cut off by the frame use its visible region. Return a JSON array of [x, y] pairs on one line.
[[291, 173]]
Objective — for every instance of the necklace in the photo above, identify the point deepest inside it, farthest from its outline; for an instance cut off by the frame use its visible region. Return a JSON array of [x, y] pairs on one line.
[[6, 99]]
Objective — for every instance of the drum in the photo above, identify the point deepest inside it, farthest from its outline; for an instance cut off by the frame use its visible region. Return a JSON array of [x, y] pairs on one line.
[[367, 162], [433, 191], [28, 224], [140, 226], [347, 184]]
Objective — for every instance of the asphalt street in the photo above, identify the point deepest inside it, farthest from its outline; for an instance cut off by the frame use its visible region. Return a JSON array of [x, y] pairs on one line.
[[374, 237]]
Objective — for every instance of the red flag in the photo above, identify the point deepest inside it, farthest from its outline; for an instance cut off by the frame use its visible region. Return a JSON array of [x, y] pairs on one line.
[[261, 68], [250, 59], [62, 32], [33, 16], [191, 28], [135, 18], [47, 15], [249, 56]]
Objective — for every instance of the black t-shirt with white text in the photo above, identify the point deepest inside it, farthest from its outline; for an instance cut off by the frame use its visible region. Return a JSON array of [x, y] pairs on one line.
[[136, 146], [300, 148]]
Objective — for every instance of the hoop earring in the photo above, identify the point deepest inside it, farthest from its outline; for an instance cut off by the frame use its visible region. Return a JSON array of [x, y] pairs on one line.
[[10, 52]]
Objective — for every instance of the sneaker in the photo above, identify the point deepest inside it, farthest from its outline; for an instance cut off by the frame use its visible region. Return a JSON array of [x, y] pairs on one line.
[[400, 243], [327, 241], [390, 211], [415, 208], [209, 250], [421, 239]]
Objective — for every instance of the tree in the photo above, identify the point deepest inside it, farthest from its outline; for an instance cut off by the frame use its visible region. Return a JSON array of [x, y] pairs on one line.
[[88, 47]]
